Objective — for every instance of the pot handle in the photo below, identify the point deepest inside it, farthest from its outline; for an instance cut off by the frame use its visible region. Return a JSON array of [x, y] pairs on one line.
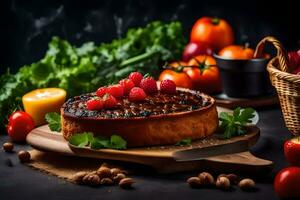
[[281, 52]]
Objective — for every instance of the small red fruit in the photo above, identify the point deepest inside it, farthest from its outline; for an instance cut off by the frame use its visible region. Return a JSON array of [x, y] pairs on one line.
[[194, 49], [287, 181], [94, 104], [116, 90], [127, 85], [109, 101], [19, 125], [149, 85], [136, 77], [292, 151], [101, 91], [294, 60], [137, 94], [168, 87]]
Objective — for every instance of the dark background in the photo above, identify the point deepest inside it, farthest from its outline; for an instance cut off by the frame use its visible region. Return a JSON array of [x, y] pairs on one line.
[[27, 26]]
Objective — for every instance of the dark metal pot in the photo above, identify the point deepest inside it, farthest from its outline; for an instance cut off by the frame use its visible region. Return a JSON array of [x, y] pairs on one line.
[[244, 78]]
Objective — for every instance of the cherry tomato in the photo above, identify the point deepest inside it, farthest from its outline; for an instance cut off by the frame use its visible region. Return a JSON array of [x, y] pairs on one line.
[[237, 52], [287, 183], [177, 75], [19, 125], [292, 151], [204, 74], [217, 33]]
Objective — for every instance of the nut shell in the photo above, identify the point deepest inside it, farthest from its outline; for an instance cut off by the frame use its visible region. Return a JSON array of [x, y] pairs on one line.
[[24, 156], [104, 172], [115, 171], [223, 183], [91, 179], [78, 177], [119, 177], [8, 147], [126, 183], [206, 178], [194, 182], [246, 184], [106, 181]]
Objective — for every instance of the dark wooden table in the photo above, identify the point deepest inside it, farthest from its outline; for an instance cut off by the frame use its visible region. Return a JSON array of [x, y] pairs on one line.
[[21, 182]]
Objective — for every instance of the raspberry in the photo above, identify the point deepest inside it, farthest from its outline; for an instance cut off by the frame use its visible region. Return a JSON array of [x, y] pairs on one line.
[[101, 91], [149, 85], [168, 87], [127, 85], [136, 77], [116, 90], [109, 101], [137, 94], [94, 104]]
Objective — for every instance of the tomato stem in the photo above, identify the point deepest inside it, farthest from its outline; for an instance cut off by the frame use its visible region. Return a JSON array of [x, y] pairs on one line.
[[215, 20]]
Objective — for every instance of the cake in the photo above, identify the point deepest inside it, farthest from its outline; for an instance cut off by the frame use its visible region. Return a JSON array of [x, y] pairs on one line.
[[161, 119]]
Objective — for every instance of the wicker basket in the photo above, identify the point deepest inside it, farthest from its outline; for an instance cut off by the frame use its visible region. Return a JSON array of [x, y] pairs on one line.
[[286, 84]]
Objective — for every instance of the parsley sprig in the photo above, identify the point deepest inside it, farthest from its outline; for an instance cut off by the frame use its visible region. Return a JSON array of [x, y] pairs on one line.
[[87, 139], [234, 124]]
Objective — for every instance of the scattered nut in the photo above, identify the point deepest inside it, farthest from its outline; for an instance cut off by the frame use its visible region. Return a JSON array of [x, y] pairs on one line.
[[194, 182], [106, 181], [126, 183], [246, 184], [104, 172], [91, 179], [206, 178], [223, 183], [119, 177], [24, 156], [8, 147], [115, 171], [78, 177]]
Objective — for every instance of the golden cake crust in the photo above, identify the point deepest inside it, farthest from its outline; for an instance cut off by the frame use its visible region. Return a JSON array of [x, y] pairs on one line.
[[162, 129]]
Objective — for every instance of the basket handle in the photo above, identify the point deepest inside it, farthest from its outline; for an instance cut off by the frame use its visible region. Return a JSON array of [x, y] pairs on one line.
[[281, 52]]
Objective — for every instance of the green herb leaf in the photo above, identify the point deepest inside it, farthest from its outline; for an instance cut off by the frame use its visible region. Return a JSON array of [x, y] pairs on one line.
[[184, 142], [234, 124], [117, 142], [81, 139], [54, 121], [88, 140]]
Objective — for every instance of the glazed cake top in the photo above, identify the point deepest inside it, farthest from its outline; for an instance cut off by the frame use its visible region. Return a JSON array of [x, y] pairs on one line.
[[156, 104]]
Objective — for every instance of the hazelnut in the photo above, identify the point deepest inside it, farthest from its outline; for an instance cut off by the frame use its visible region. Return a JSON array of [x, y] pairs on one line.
[[119, 177], [91, 179], [223, 183], [247, 184], [206, 178], [24, 156], [106, 181], [126, 183], [104, 172], [78, 177], [115, 171], [8, 147], [194, 182]]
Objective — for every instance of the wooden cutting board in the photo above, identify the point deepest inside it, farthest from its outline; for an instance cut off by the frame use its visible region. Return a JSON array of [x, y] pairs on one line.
[[160, 157]]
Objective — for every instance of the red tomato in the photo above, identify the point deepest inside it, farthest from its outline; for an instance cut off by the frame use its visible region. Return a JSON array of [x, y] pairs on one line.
[[292, 151], [204, 74], [217, 33], [287, 183], [19, 125], [194, 49], [237, 52]]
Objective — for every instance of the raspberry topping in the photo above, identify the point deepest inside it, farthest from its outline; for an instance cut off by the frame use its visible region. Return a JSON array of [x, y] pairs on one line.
[[136, 77], [149, 85], [168, 87], [137, 94]]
